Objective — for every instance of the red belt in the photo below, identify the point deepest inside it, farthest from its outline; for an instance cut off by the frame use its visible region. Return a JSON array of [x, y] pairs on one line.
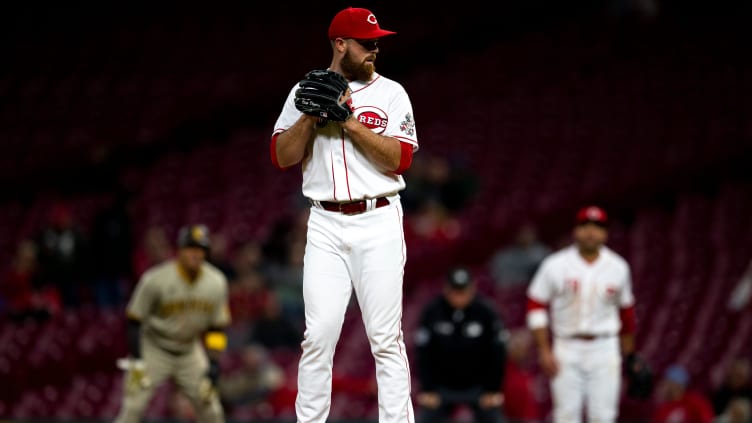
[[352, 207], [588, 337]]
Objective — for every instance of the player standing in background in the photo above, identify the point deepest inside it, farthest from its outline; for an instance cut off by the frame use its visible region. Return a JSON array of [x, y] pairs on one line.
[[174, 306], [587, 289], [352, 164]]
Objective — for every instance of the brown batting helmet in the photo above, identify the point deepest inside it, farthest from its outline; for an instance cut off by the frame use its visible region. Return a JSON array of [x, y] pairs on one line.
[[194, 236]]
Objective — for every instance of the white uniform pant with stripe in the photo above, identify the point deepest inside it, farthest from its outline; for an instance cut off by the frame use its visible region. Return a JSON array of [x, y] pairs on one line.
[[364, 252], [589, 380]]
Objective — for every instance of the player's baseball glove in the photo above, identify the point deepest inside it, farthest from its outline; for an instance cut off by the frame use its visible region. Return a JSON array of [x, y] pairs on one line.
[[136, 377], [324, 94], [639, 377]]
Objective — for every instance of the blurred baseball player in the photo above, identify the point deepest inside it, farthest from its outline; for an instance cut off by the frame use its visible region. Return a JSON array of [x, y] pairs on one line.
[[587, 290], [175, 306], [354, 133]]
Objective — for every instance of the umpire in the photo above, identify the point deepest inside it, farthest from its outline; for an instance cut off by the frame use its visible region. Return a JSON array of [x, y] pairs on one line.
[[461, 353]]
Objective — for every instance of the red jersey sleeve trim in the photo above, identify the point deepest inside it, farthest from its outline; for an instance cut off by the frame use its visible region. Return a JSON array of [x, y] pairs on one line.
[[406, 157], [535, 305], [407, 140], [628, 320]]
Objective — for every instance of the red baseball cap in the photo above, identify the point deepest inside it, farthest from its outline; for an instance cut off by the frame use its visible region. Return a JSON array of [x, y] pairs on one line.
[[356, 23], [592, 214]]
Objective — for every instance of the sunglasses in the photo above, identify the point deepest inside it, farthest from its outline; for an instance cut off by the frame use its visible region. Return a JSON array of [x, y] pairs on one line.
[[369, 45]]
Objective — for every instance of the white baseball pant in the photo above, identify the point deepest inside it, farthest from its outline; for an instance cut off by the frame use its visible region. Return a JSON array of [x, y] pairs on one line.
[[589, 375], [364, 252]]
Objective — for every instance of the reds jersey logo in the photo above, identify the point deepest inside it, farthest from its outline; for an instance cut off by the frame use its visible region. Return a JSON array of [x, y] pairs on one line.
[[372, 117]]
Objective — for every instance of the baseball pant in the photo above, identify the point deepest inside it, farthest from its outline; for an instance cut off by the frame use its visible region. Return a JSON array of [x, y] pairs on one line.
[[364, 252], [590, 376], [186, 370]]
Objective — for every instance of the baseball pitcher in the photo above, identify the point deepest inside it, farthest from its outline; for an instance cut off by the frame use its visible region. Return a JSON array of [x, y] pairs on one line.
[[353, 131]]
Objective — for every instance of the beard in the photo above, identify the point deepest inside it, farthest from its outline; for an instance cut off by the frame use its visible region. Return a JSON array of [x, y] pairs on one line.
[[356, 71]]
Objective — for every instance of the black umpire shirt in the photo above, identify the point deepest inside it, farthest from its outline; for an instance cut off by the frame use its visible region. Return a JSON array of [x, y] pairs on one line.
[[459, 349]]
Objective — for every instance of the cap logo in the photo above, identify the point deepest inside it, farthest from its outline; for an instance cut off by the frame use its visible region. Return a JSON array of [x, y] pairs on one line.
[[371, 19], [198, 232]]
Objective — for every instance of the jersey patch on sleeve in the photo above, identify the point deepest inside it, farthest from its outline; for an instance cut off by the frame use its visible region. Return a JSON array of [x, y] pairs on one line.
[[408, 125]]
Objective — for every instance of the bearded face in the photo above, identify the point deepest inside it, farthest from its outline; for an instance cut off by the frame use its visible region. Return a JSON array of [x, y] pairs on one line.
[[358, 71]]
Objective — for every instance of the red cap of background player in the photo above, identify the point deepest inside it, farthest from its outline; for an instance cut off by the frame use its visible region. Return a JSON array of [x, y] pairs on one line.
[[592, 214], [356, 23]]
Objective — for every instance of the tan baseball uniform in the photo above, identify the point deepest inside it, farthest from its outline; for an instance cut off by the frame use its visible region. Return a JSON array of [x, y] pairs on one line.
[[174, 313]]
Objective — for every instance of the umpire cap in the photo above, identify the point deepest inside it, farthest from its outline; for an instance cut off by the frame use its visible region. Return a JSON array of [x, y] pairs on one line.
[[459, 278], [194, 236]]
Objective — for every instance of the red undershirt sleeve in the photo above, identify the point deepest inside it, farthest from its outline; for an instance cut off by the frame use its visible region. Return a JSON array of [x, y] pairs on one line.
[[537, 314], [628, 321], [273, 152], [406, 157]]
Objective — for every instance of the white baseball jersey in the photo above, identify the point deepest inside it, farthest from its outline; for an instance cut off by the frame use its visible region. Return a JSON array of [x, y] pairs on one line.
[[582, 297], [338, 171]]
